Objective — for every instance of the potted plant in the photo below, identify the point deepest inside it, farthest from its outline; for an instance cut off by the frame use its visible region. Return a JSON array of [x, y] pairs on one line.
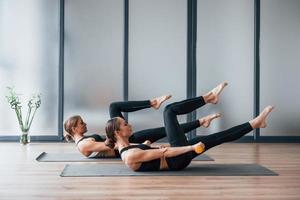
[[33, 104]]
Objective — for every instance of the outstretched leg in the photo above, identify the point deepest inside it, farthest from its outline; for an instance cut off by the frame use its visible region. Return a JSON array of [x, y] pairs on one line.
[[233, 133], [155, 134], [116, 108]]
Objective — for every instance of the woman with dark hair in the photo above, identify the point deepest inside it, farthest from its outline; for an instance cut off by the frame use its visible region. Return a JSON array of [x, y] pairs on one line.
[[146, 158], [94, 146]]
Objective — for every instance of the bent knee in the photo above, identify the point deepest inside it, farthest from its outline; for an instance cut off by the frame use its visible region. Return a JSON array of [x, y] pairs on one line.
[[168, 108], [113, 105]]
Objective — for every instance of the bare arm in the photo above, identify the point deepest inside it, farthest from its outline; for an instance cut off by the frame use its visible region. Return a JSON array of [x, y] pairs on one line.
[[151, 154], [160, 145], [93, 146], [139, 156]]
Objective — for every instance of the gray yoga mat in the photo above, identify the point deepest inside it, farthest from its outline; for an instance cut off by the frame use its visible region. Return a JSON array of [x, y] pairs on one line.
[[77, 157], [195, 169], [69, 157]]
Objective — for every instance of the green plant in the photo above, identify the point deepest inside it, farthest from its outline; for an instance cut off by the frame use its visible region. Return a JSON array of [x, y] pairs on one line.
[[33, 104]]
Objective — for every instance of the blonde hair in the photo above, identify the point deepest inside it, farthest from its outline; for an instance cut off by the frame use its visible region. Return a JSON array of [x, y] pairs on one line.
[[68, 125]]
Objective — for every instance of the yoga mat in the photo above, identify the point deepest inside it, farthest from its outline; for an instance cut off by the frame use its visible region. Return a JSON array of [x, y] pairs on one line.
[[195, 169], [77, 157], [70, 157]]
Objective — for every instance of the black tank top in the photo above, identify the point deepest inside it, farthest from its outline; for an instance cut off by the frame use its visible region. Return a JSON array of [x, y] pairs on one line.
[[151, 165], [97, 138]]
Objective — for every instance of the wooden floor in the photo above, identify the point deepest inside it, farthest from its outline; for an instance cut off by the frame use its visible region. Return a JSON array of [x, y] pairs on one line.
[[21, 177]]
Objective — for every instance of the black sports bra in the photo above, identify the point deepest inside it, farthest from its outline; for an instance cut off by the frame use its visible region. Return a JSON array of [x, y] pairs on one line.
[[97, 138], [151, 165]]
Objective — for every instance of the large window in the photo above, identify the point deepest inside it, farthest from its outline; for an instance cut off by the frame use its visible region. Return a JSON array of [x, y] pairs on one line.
[[93, 59], [225, 53], [280, 52], [157, 55], [29, 49]]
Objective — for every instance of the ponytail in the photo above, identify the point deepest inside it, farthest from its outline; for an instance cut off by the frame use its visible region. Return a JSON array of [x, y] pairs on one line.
[[68, 137], [110, 143], [112, 125], [68, 125]]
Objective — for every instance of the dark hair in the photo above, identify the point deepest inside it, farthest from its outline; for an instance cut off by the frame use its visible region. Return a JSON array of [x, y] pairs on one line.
[[112, 125], [68, 125]]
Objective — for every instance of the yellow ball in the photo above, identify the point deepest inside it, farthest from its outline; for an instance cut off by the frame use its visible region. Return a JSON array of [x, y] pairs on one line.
[[199, 149]]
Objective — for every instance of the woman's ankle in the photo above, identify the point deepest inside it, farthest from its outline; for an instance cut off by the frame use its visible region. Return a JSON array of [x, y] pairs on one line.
[[253, 123], [208, 97]]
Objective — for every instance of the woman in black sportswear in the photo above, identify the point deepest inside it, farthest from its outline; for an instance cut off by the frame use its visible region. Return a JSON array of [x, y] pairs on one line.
[[146, 158]]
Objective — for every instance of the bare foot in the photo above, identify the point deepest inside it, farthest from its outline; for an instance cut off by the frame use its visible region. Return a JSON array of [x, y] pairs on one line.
[[205, 121], [156, 102], [147, 142], [199, 147], [260, 120], [213, 95]]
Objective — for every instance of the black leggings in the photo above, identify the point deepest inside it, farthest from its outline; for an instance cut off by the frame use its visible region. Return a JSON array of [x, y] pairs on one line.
[[153, 134], [177, 138]]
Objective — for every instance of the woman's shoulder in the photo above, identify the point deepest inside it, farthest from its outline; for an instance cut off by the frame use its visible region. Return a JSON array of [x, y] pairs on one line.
[[86, 141], [97, 137]]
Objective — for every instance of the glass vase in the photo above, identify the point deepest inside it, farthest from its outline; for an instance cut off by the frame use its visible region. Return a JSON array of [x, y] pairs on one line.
[[25, 138]]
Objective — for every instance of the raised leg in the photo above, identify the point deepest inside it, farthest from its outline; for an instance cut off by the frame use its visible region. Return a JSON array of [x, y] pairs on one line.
[[228, 135], [116, 108], [155, 134], [233, 133], [174, 132]]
